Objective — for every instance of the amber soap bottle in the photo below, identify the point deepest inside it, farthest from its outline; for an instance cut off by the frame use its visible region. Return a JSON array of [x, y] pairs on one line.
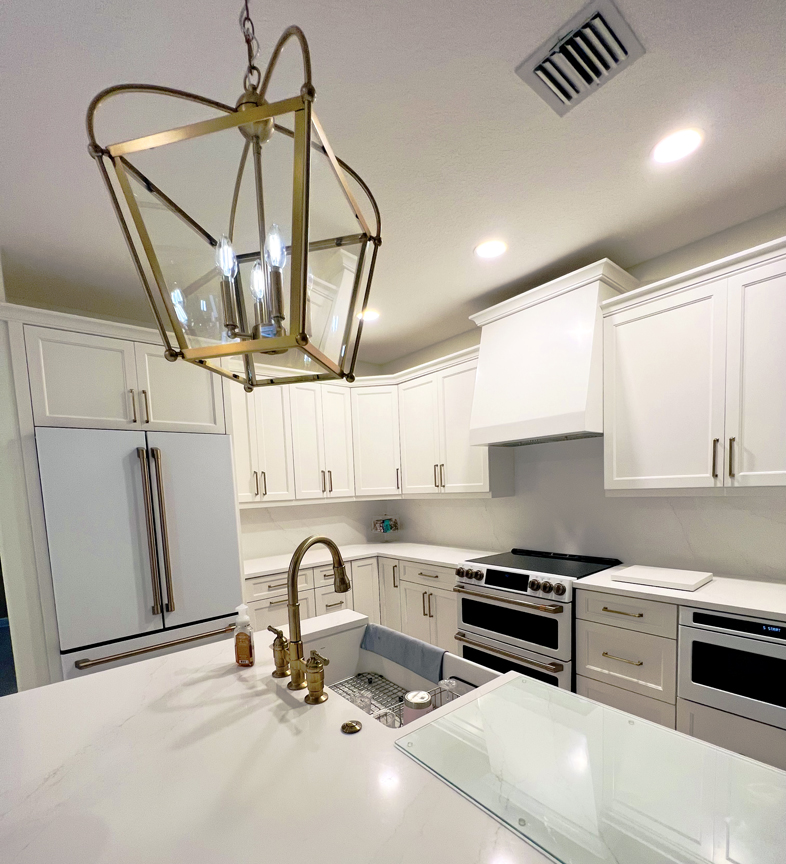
[[244, 638]]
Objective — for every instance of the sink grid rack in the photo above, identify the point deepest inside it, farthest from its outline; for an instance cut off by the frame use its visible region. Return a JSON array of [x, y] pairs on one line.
[[382, 699]]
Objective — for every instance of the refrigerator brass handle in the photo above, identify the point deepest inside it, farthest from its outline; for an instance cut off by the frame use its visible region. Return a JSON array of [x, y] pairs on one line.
[[429, 606], [429, 575], [395, 568], [618, 612], [715, 442], [330, 481], [731, 456], [264, 483], [423, 598], [442, 475], [436, 482], [277, 602], [398, 480], [133, 406], [256, 482], [323, 481], [147, 405], [541, 607], [547, 667], [170, 606], [88, 664], [622, 659], [151, 543], [331, 605], [277, 585]]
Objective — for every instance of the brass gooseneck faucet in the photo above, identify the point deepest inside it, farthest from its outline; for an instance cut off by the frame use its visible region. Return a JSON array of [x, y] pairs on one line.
[[340, 585]]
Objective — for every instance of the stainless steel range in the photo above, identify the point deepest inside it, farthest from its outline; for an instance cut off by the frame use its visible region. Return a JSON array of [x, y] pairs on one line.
[[515, 611]]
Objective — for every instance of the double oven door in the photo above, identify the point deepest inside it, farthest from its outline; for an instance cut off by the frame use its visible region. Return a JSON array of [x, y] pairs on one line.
[[540, 626], [502, 657]]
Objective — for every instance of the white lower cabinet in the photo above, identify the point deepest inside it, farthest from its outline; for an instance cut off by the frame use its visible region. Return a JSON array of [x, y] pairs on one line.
[[414, 615], [273, 610], [390, 593], [443, 610], [365, 588], [739, 734], [625, 700], [429, 615], [327, 600]]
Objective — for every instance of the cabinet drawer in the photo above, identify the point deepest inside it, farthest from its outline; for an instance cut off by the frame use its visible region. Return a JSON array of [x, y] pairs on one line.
[[625, 700], [273, 611], [425, 574], [646, 616], [323, 576], [267, 586], [634, 661], [329, 601]]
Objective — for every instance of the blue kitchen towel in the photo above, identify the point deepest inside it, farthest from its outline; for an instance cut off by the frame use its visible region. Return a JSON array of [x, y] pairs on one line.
[[419, 657]]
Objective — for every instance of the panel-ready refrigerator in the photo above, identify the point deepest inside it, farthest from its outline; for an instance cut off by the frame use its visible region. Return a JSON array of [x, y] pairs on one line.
[[143, 541]]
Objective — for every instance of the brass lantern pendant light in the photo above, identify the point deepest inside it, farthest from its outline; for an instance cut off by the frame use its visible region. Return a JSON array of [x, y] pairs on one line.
[[259, 275]]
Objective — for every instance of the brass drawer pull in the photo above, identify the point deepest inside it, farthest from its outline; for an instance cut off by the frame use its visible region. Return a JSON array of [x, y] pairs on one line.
[[430, 615], [264, 482], [715, 442], [256, 482], [424, 604], [618, 612], [442, 475], [133, 405], [277, 585], [147, 405], [395, 568], [331, 605], [429, 575], [277, 602], [623, 660], [436, 481], [731, 456]]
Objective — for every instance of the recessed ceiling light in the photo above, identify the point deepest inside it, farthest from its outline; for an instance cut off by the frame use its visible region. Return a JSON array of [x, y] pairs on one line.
[[678, 145], [368, 315], [490, 249]]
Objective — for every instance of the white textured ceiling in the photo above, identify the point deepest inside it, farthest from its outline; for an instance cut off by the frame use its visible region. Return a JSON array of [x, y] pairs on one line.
[[421, 98]]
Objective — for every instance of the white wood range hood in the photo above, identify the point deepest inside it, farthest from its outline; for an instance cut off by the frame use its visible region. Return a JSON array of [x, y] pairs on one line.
[[540, 372]]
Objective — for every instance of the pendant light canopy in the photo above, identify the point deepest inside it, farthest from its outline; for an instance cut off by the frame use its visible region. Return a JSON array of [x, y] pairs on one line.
[[246, 230]]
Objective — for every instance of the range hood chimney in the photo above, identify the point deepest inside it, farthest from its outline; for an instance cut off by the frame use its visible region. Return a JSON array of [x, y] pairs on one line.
[[540, 370]]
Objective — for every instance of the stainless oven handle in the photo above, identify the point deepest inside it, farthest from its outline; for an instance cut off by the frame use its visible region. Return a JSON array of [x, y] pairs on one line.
[[88, 664], [552, 610], [547, 667]]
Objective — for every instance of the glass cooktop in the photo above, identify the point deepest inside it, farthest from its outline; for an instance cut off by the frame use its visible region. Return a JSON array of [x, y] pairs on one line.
[[554, 563], [587, 784]]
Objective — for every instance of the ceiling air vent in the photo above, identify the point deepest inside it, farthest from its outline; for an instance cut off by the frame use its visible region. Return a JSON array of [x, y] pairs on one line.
[[593, 47]]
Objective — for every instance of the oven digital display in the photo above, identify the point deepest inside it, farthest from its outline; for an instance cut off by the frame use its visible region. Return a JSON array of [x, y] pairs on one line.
[[506, 579], [755, 628]]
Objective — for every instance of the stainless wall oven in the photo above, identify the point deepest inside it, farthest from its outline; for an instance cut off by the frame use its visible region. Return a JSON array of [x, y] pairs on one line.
[[734, 663]]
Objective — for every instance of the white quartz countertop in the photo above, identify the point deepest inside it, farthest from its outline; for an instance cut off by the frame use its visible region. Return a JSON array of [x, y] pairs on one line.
[[188, 759], [318, 556], [723, 593]]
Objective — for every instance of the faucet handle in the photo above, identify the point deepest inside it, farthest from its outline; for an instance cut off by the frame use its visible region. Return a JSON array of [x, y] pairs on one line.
[[316, 658], [279, 633]]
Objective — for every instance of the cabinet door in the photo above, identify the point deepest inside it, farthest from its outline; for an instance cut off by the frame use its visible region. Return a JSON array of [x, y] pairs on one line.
[[365, 588], [389, 590], [462, 468], [307, 450], [337, 430], [664, 391], [419, 422], [81, 380], [414, 614], [443, 611], [274, 444], [177, 397], [376, 440], [244, 442], [327, 600], [756, 378]]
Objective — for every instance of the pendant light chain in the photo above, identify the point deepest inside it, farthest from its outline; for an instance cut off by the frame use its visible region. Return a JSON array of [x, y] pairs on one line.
[[253, 74]]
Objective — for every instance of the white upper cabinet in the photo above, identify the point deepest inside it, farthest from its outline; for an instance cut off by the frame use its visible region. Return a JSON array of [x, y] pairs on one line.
[[77, 379], [337, 436], [375, 430], [176, 397], [756, 378], [244, 442], [81, 380], [436, 455], [664, 376]]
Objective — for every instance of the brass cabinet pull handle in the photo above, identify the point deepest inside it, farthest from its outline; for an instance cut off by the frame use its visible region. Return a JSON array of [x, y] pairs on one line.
[[436, 482], [323, 481], [731, 456], [170, 606], [151, 543], [277, 585], [330, 481], [147, 405], [442, 475], [622, 659], [548, 667], [715, 442], [423, 598], [331, 605], [395, 568], [330, 575], [133, 406], [88, 664], [256, 483], [264, 483], [618, 612], [398, 482], [429, 575], [429, 606], [541, 607], [277, 602]]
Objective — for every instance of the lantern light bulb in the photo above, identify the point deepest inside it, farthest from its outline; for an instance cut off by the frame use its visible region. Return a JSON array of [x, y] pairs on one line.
[[225, 258], [275, 250], [258, 281]]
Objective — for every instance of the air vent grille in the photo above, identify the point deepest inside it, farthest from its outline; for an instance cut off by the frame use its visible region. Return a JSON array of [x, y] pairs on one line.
[[572, 65]]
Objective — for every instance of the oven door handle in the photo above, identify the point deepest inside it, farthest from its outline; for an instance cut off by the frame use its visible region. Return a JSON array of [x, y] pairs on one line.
[[547, 667], [541, 607]]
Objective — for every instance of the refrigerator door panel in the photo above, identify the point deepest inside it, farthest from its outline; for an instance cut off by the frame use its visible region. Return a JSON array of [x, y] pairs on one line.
[[94, 508], [197, 527]]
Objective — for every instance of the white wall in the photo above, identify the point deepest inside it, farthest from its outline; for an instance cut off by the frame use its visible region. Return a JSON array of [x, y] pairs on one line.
[[560, 506]]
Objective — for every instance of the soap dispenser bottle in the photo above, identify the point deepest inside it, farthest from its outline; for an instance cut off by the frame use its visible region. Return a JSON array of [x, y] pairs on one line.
[[244, 638]]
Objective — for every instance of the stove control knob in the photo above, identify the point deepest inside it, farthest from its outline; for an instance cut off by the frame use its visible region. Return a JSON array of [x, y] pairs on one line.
[[546, 587], [559, 589], [460, 572], [534, 584], [478, 574]]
